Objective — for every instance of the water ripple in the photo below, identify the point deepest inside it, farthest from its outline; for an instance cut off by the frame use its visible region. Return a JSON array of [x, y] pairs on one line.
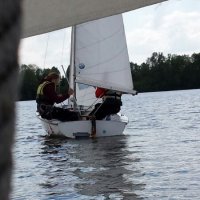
[[157, 159]]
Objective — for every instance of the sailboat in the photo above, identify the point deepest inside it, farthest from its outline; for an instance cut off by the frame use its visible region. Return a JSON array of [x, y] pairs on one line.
[[99, 58]]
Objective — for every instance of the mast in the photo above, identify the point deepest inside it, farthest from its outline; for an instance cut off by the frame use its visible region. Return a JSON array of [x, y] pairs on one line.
[[72, 67]]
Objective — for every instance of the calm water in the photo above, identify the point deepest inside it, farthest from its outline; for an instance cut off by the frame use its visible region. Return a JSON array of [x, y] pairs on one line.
[[158, 159]]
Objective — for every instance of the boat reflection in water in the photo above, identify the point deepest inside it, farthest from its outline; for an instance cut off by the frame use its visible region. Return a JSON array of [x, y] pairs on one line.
[[90, 169]]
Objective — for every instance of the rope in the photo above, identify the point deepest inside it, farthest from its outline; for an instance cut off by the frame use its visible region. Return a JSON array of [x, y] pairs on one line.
[[45, 53], [10, 14], [63, 44], [74, 100], [93, 104]]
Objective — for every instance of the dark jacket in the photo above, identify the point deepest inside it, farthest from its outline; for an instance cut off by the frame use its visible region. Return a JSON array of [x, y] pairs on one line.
[[46, 94]]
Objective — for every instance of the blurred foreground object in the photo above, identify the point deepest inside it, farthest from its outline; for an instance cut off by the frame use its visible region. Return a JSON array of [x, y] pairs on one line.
[[9, 41]]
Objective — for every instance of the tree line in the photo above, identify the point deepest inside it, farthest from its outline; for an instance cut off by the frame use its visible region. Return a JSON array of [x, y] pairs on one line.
[[173, 72], [158, 73], [31, 76]]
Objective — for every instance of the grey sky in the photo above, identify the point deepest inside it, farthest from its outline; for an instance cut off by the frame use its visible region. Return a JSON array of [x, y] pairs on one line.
[[169, 27]]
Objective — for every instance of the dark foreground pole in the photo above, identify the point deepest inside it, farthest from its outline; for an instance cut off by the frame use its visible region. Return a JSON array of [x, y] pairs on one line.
[[9, 41]]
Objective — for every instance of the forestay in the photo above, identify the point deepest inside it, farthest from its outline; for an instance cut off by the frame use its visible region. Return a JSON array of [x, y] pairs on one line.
[[101, 55], [42, 16]]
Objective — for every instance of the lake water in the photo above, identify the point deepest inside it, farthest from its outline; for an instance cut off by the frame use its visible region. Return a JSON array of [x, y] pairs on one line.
[[157, 159]]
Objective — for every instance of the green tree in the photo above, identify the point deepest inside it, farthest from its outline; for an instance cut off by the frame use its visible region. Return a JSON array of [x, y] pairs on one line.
[[28, 82], [173, 72], [158, 73]]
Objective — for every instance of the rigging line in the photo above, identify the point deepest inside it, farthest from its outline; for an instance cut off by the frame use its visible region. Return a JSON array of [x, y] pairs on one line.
[[96, 100], [45, 54], [74, 99], [92, 105], [61, 59], [65, 77], [99, 105]]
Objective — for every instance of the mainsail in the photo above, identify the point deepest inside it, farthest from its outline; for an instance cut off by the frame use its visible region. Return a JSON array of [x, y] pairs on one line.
[[101, 55], [101, 58], [42, 16]]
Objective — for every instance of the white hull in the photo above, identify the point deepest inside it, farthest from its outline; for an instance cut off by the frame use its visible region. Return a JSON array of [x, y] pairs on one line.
[[73, 129]]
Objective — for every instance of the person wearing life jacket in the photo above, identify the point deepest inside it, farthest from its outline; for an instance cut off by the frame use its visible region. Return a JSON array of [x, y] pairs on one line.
[[47, 97], [111, 103]]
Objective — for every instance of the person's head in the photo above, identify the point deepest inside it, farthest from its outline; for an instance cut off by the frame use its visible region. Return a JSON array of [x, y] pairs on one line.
[[53, 77]]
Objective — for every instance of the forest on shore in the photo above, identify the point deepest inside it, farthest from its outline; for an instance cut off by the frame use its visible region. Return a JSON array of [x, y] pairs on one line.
[[158, 73]]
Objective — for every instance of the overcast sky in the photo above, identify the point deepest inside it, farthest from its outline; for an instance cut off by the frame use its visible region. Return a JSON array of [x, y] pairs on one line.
[[170, 27]]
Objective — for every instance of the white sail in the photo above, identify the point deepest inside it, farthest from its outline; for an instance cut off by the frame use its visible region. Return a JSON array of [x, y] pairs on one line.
[[85, 95], [101, 55], [42, 16]]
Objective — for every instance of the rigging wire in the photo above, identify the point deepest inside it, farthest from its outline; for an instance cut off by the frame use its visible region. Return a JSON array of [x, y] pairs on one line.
[[61, 58], [45, 54], [63, 44]]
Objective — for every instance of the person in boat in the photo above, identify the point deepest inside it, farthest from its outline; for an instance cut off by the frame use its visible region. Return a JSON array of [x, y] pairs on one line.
[[47, 97], [111, 103]]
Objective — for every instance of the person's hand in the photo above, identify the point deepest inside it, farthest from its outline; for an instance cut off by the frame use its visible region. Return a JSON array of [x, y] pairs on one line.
[[70, 91]]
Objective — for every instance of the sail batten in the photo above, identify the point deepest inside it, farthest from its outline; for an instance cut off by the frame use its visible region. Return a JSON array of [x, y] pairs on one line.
[[42, 16]]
